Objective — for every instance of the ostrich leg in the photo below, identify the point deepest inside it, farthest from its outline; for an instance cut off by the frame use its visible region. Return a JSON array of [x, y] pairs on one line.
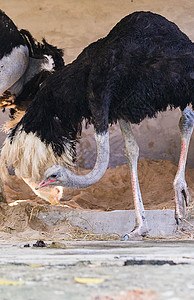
[[182, 195], [2, 194], [132, 152]]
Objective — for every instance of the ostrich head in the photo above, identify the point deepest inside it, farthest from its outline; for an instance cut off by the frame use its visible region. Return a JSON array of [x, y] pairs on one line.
[[55, 175], [58, 175]]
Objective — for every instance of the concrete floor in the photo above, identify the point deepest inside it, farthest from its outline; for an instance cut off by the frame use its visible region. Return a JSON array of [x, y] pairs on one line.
[[160, 222], [162, 269]]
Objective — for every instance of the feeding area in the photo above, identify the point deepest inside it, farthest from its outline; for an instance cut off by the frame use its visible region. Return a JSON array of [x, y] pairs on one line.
[[97, 150]]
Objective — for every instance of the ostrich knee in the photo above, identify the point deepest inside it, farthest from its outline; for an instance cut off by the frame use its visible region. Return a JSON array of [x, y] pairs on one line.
[[182, 195]]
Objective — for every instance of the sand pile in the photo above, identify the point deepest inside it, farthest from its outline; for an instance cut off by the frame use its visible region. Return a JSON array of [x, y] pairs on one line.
[[113, 191]]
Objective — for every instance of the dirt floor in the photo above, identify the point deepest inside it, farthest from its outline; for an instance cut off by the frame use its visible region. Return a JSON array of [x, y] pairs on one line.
[[112, 192]]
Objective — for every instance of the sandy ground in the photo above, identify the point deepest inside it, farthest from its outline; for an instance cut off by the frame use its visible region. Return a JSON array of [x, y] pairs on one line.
[[72, 25], [112, 192]]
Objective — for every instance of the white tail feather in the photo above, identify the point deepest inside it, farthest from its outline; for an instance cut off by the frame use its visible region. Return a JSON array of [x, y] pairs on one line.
[[29, 156]]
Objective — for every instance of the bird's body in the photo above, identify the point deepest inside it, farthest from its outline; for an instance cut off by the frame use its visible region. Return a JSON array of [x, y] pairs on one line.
[[144, 65]]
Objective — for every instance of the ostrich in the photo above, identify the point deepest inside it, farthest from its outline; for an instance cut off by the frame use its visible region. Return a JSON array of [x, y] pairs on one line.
[[24, 65], [144, 65]]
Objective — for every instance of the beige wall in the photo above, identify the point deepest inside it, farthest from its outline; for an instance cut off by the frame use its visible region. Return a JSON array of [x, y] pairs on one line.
[[74, 24]]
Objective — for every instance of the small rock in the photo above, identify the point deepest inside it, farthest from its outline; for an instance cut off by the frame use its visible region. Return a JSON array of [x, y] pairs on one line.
[[57, 245], [40, 244]]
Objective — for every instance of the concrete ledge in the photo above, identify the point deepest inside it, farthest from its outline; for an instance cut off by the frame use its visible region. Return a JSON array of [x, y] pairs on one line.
[[160, 222]]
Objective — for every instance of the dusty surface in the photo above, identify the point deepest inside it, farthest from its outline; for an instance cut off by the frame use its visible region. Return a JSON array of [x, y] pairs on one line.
[[112, 192], [98, 271], [21, 223]]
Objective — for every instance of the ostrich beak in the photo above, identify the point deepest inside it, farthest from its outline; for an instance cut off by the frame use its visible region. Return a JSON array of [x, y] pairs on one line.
[[44, 183]]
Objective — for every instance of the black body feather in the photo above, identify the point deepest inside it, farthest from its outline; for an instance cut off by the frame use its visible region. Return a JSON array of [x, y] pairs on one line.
[[144, 65]]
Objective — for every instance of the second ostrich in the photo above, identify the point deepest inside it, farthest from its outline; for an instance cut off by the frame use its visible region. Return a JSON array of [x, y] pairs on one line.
[[24, 65], [144, 65]]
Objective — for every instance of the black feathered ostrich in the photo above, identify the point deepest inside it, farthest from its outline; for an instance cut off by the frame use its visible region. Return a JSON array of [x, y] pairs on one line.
[[144, 65], [24, 65]]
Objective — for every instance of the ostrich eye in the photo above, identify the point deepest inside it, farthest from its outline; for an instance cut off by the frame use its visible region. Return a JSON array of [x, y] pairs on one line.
[[54, 176]]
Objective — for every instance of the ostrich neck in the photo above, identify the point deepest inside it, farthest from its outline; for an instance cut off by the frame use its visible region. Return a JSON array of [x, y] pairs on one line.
[[83, 181], [35, 66]]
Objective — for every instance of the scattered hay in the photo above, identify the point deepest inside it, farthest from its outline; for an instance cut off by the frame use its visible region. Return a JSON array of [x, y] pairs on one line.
[[21, 223]]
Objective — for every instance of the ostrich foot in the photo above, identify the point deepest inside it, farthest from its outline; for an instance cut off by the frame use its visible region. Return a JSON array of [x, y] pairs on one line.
[[182, 198], [58, 195], [137, 233]]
